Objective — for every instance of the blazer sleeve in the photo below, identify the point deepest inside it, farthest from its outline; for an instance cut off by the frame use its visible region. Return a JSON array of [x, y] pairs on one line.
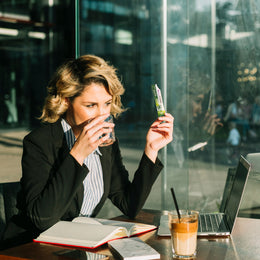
[[128, 196], [51, 178]]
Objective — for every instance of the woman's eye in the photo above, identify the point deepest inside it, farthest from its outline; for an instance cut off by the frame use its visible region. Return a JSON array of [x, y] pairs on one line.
[[91, 105], [198, 100], [109, 103]]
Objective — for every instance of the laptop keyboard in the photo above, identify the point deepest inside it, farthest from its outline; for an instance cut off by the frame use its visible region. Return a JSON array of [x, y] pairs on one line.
[[211, 223]]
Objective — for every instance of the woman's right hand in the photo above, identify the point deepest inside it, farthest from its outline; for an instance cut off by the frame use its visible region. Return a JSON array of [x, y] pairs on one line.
[[90, 137], [211, 123]]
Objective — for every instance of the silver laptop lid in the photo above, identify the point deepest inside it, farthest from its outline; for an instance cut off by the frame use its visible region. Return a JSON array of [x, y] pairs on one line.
[[254, 160], [236, 193]]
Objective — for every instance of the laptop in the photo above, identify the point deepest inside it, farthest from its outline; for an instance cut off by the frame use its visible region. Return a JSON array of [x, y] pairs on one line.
[[222, 223], [254, 160]]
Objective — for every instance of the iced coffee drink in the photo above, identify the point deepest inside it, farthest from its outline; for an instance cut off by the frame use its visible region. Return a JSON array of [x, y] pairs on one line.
[[184, 233]]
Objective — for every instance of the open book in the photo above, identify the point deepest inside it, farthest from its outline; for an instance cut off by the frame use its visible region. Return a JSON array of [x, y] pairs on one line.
[[90, 232]]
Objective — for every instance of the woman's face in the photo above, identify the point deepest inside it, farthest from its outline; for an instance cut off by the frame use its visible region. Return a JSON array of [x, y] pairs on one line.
[[94, 101], [197, 105]]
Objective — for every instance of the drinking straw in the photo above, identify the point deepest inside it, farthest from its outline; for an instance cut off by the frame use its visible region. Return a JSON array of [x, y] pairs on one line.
[[176, 204]]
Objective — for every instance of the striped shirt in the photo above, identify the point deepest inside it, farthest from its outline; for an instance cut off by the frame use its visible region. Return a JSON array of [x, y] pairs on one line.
[[93, 183]]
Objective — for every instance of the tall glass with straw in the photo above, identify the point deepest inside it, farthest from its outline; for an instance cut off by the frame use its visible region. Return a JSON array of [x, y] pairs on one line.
[[183, 225]]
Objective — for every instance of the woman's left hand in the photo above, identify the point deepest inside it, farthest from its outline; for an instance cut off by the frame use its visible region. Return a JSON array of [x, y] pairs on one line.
[[159, 135]]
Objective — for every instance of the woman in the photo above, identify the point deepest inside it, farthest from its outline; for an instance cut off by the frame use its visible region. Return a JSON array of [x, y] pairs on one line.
[[66, 170]]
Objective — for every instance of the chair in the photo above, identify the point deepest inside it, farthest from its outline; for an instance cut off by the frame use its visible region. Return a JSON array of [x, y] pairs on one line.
[[8, 193]]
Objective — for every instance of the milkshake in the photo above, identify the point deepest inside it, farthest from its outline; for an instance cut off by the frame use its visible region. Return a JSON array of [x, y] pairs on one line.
[[184, 233]]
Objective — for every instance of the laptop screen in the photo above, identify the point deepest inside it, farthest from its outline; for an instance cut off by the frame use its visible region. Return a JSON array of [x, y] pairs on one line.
[[236, 193]]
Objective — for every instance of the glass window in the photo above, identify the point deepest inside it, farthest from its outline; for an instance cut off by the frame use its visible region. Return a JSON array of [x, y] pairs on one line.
[[204, 55], [36, 36]]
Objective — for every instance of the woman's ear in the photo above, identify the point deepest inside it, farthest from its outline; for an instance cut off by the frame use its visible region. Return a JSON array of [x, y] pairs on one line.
[[67, 101]]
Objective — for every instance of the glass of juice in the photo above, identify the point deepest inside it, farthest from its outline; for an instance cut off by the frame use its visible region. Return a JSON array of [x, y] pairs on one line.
[[184, 233]]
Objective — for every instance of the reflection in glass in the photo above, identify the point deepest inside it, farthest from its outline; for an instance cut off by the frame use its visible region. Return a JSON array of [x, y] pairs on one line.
[[212, 61], [35, 37]]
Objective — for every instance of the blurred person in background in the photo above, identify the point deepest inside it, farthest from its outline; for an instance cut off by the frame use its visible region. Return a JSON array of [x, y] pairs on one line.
[[233, 142]]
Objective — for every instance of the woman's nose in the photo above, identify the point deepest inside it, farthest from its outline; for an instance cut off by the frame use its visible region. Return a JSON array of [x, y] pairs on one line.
[[102, 111]]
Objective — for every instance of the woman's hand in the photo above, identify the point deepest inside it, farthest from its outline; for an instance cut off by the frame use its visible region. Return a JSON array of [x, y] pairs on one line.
[[90, 137], [211, 122], [159, 135]]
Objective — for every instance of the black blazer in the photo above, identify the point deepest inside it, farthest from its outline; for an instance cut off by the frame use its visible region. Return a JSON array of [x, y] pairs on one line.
[[52, 183]]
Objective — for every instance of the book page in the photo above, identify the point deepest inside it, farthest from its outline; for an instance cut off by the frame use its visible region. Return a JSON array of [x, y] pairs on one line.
[[141, 228], [87, 220], [131, 227], [80, 234]]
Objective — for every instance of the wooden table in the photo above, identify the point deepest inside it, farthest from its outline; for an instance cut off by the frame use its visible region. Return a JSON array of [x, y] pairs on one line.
[[243, 244]]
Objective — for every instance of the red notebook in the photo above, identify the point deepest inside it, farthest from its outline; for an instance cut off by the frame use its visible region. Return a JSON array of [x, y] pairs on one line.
[[90, 232]]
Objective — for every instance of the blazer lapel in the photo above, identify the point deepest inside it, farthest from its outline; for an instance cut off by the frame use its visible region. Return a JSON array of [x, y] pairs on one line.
[[59, 139], [62, 150], [105, 159]]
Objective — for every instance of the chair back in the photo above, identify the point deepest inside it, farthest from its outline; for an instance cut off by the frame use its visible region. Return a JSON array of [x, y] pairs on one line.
[[8, 193]]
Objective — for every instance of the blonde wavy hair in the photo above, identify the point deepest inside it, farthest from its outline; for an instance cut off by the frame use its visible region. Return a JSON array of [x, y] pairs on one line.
[[70, 80]]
